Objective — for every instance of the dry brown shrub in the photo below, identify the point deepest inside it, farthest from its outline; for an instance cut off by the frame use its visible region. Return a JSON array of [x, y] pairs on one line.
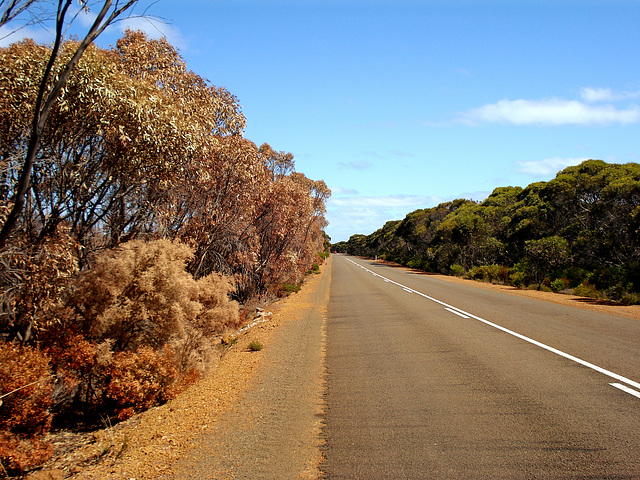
[[140, 380], [25, 390], [139, 331], [34, 280], [25, 396], [140, 294], [19, 454]]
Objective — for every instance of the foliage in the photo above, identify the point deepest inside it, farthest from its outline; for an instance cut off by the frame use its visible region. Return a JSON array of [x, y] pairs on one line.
[[50, 84], [25, 399], [140, 294], [518, 279], [255, 346], [456, 270], [147, 216], [25, 390], [582, 225], [33, 280], [558, 284], [142, 329], [139, 380], [544, 254]]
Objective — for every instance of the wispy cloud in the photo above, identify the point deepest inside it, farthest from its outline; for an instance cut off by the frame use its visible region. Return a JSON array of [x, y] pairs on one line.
[[356, 165], [9, 35], [82, 20], [592, 95], [548, 166], [400, 153], [154, 28], [387, 201], [550, 111], [337, 190]]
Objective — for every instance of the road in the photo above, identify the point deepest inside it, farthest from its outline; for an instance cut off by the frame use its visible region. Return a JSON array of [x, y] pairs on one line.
[[430, 379]]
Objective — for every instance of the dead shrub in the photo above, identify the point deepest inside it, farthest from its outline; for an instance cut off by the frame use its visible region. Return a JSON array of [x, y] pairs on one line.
[[25, 398], [18, 454], [25, 390], [140, 380], [138, 330], [34, 280], [140, 294]]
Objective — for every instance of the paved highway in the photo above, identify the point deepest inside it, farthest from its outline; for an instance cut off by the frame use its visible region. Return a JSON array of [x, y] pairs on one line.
[[433, 380]]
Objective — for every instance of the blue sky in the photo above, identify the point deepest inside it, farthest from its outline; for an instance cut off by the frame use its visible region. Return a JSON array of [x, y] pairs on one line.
[[399, 105]]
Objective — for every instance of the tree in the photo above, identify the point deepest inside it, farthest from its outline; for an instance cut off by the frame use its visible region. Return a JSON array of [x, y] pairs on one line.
[[545, 254], [119, 139], [48, 92]]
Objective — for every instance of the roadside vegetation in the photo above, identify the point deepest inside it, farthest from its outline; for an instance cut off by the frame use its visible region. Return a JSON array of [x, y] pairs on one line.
[[150, 227], [578, 233]]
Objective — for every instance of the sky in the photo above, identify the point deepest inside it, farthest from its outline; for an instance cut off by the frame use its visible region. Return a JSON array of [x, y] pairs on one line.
[[405, 104]]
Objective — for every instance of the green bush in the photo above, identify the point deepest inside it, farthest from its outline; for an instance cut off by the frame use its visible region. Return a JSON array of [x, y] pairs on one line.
[[491, 272], [586, 289], [416, 263], [475, 273], [503, 274], [456, 270], [255, 346], [557, 285], [517, 279], [630, 299], [290, 288]]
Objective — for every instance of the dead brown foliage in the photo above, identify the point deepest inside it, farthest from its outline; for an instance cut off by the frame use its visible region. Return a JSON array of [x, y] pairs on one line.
[[25, 396]]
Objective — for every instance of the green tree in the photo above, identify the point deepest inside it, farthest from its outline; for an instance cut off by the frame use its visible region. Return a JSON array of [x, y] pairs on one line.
[[545, 254]]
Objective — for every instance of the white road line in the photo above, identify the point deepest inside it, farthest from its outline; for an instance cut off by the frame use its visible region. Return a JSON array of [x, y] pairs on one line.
[[456, 312], [461, 312], [624, 388]]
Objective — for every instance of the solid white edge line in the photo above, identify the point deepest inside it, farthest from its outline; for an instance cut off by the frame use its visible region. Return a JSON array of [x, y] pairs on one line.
[[518, 335], [455, 312], [624, 388]]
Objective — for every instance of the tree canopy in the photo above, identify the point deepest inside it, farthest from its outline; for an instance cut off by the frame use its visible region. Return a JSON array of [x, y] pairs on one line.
[[582, 227], [150, 225]]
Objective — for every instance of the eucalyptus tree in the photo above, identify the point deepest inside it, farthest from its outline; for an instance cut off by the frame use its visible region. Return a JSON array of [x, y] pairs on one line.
[[52, 81]]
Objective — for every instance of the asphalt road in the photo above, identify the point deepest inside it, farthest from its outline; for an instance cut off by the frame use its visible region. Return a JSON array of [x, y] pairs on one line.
[[432, 380]]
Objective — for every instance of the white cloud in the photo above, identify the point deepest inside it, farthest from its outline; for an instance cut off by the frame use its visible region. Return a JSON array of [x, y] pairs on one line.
[[593, 95], [365, 214], [337, 190], [551, 111], [81, 21], [388, 201], [154, 28], [9, 35], [548, 166]]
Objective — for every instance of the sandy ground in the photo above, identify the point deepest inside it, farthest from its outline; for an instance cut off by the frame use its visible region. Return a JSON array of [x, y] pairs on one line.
[[255, 415]]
